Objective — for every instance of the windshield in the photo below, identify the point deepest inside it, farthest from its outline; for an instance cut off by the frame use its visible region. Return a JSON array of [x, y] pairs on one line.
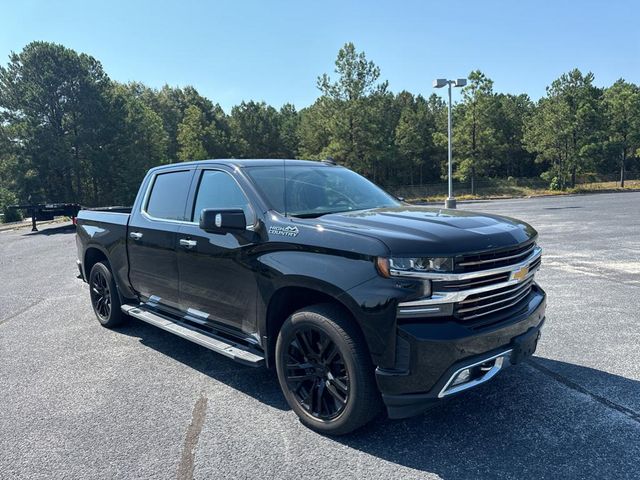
[[312, 191]]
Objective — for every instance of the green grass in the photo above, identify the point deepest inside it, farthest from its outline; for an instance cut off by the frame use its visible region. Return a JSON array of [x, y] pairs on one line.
[[515, 191]]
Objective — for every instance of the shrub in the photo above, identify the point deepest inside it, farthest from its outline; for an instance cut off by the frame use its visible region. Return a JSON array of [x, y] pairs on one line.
[[554, 184], [7, 198]]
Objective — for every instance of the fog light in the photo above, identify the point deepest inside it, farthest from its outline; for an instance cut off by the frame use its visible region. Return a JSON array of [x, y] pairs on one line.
[[462, 377]]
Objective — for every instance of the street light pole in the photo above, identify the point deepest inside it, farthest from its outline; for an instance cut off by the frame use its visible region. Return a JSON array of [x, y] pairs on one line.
[[450, 202]]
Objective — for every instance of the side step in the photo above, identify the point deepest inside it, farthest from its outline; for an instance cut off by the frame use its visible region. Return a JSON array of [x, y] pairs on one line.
[[236, 352]]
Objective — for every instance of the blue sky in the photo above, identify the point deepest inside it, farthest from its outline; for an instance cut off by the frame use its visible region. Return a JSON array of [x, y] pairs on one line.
[[274, 50]]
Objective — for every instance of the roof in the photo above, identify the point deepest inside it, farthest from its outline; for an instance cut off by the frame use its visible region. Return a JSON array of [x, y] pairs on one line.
[[236, 162]]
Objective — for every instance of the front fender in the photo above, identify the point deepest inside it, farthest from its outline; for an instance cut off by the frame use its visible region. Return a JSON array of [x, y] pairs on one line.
[[352, 281]]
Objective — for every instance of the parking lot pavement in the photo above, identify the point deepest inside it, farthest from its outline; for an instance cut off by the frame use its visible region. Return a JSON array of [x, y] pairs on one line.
[[80, 401]]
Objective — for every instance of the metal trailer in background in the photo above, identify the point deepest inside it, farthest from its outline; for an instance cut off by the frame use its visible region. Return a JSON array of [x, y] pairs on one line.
[[47, 211]]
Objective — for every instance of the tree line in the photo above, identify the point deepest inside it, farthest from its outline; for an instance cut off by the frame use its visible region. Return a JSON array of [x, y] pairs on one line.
[[70, 133]]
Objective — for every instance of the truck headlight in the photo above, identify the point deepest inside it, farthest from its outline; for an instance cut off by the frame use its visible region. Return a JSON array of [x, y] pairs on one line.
[[399, 266], [383, 267]]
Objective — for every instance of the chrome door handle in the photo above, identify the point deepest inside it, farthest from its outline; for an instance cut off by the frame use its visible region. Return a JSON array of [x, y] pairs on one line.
[[188, 243], [135, 235]]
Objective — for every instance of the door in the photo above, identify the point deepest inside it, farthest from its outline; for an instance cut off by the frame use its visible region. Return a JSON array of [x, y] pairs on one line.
[[153, 266], [217, 273]]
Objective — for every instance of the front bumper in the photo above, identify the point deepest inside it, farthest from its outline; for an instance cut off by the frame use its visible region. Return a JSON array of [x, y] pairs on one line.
[[429, 353]]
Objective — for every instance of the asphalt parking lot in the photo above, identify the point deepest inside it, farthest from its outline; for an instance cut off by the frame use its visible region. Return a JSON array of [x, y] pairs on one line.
[[80, 401]]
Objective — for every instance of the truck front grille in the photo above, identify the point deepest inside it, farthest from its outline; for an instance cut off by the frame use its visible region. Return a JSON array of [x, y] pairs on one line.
[[494, 258], [486, 303], [498, 287]]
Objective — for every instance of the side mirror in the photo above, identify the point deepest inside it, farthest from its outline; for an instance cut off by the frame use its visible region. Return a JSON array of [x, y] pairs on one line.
[[223, 220]]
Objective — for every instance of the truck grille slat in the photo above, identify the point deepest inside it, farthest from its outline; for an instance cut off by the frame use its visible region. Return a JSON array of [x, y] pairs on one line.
[[520, 297], [493, 302], [496, 293], [471, 283], [487, 260]]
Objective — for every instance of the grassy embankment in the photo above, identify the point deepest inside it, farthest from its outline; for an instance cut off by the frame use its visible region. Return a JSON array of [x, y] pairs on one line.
[[514, 191]]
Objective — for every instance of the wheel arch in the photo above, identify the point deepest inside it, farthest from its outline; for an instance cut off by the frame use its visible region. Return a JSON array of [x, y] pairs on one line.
[[290, 298], [94, 254]]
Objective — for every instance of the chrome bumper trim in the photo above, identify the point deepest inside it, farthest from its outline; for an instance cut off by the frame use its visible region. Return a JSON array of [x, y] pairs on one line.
[[492, 372]]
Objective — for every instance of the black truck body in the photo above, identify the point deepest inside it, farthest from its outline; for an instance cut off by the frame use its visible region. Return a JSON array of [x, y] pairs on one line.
[[440, 299]]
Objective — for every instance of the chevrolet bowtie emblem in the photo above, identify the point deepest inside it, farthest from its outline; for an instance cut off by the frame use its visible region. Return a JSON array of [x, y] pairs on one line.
[[520, 274]]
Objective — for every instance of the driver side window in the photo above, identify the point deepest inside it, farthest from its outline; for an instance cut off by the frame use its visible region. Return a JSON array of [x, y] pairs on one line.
[[218, 189]]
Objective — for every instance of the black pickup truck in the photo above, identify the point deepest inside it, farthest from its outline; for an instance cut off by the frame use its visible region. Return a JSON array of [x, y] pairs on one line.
[[357, 299]]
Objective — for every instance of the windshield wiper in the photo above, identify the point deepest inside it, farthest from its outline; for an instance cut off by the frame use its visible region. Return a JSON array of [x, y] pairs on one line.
[[310, 214]]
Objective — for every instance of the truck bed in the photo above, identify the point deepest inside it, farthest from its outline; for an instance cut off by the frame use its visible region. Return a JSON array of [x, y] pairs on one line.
[[102, 232]]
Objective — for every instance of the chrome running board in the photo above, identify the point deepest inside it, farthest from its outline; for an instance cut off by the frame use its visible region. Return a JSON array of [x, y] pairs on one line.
[[235, 351]]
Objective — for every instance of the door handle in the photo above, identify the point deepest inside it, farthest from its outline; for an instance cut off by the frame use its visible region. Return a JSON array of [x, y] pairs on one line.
[[135, 235], [188, 243]]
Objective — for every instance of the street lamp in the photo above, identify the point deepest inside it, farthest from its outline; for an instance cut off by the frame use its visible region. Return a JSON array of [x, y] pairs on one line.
[[450, 202]]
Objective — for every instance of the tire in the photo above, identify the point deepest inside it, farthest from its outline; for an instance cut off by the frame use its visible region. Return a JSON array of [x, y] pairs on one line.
[[104, 296], [319, 352]]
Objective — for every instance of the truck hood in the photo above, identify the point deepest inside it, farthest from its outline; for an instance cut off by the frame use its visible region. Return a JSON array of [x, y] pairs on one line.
[[416, 230]]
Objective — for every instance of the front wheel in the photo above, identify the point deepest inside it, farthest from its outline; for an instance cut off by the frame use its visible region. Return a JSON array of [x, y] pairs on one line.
[[104, 296], [325, 371]]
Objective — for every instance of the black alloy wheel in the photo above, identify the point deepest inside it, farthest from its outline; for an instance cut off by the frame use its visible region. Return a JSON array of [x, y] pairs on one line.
[[104, 296], [101, 295], [325, 370], [316, 374]]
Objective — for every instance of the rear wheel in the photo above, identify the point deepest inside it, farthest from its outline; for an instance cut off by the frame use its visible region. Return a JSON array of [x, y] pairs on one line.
[[325, 371], [104, 296]]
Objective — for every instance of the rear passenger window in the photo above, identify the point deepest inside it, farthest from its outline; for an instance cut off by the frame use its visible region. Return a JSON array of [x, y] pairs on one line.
[[169, 195], [219, 190]]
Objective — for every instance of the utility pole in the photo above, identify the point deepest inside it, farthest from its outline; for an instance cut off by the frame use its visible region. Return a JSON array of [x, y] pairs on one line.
[[450, 202]]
